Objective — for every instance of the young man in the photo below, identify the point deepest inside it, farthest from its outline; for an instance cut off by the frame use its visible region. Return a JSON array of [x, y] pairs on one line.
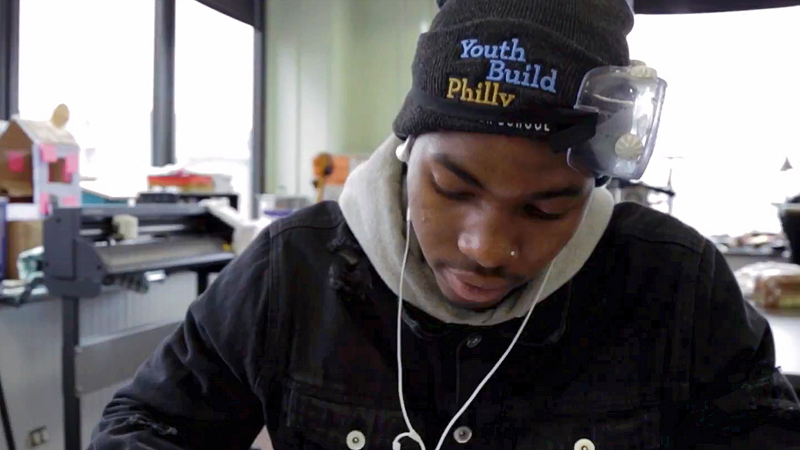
[[535, 313]]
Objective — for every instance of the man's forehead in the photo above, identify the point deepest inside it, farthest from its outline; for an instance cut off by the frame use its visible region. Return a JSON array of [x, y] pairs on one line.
[[447, 140], [491, 152]]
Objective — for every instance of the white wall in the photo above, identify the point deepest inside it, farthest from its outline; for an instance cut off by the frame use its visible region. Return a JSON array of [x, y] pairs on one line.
[[384, 34], [338, 72]]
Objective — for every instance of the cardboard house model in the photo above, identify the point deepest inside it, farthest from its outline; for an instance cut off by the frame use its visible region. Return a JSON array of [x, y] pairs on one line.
[[39, 163]]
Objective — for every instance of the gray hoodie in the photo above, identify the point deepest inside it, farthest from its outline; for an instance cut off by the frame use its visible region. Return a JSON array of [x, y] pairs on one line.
[[372, 203]]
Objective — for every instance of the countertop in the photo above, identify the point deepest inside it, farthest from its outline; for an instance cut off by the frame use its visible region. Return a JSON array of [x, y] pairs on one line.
[[786, 331]]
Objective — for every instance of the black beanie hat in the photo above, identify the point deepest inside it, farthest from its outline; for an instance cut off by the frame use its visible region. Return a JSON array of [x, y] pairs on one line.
[[511, 66]]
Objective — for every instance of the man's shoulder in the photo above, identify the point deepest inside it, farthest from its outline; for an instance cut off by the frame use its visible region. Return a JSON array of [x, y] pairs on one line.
[[302, 233], [631, 221], [321, 216]]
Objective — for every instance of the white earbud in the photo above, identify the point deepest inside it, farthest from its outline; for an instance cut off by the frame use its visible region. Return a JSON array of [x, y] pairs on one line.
[[408, 214], [403, 151]]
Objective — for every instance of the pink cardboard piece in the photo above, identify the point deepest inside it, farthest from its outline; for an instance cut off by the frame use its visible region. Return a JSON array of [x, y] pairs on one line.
[[69, 201], [70, 165], [66, 176], [48, 153], [16, 161], [44, 204]]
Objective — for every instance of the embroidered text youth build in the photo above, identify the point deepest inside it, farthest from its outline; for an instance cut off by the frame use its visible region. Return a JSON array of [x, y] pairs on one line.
[[500, 55]]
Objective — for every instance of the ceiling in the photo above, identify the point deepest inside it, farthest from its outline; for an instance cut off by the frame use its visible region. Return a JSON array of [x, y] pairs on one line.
[[706, 6], [241, 10], [247, 10]]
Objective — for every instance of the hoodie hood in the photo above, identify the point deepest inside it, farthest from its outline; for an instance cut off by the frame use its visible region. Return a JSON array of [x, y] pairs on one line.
[[372, 204]]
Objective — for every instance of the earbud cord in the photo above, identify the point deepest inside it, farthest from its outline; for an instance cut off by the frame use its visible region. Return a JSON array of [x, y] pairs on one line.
[[412, 433]]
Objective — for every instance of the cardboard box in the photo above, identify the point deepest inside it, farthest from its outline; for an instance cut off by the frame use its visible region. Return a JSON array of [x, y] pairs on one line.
[[21, 236]]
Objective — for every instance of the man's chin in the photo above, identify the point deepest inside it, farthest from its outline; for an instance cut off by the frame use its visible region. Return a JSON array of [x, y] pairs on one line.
[[463, 295], [474, 306], [455, 300]]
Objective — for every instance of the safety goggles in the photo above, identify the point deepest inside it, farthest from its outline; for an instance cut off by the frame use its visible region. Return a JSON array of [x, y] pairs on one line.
[[627, 102]]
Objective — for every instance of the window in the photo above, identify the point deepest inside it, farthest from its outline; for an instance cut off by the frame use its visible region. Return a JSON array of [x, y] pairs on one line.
[[730, 114], [214, 94], [96, 56]]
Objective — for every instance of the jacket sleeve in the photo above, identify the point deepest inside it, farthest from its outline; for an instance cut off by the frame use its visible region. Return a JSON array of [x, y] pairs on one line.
[[197, 391], [739, 399]]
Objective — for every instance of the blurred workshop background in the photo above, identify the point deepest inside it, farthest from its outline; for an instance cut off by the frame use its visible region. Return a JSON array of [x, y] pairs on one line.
[[177, 125]]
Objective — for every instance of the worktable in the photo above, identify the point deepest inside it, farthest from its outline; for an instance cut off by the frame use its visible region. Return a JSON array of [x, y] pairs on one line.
[[785, 327]]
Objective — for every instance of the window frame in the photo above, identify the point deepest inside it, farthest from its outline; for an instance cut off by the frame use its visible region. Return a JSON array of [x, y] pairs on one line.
[[9, 58]]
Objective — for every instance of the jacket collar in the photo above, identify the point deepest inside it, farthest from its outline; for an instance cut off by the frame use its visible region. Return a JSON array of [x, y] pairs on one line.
[[546, 326]]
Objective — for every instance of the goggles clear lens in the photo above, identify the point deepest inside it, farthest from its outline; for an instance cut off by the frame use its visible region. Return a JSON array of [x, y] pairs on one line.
[[628, 102]]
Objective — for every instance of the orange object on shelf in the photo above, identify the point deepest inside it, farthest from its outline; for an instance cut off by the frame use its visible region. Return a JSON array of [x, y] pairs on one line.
[[183, 181], [331, 171]]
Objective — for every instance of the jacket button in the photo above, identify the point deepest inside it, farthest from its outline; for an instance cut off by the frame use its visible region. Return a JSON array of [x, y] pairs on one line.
[[474, 340], [584, 444], [356, 440], [462, 435]]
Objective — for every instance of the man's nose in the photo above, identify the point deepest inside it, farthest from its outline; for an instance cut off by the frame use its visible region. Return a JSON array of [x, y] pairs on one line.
[[489, 241]]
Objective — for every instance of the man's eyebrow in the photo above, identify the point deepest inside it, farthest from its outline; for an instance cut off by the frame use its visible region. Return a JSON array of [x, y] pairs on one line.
[[450, 165], [569, 191], [464, 175]]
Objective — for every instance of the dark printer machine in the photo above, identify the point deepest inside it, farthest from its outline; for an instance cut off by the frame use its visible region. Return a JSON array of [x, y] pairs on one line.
[[89, 248], [126, 275]]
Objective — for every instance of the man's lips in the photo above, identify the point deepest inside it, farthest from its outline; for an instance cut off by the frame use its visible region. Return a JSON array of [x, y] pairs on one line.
[[474, 288]]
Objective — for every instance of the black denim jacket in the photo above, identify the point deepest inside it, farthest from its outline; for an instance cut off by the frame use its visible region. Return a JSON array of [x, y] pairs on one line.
[[649, 346]]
